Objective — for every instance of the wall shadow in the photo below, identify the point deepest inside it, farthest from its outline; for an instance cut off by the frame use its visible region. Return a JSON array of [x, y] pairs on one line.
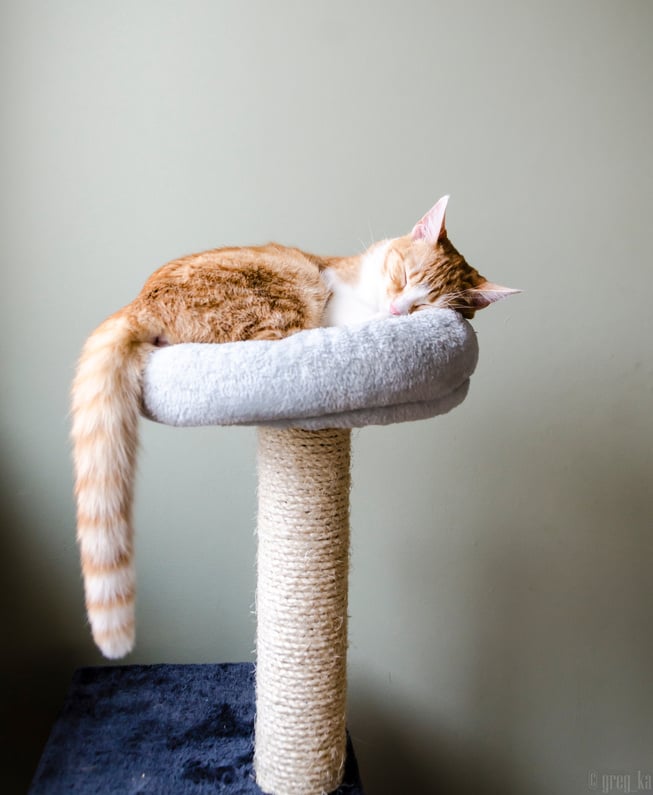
[[398, 753], [557, 601], [35, 666]]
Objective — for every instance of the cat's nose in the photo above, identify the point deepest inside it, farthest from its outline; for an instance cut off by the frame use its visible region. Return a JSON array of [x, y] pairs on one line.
[[393, 309]]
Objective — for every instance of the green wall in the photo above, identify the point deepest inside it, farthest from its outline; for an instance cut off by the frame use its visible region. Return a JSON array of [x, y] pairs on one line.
[[501, 591]]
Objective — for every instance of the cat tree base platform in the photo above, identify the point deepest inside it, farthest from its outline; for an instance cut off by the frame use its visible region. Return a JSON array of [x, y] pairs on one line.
[[164, 729]]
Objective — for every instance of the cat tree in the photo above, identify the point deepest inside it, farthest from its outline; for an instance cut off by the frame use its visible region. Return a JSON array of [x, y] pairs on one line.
[[306, 392], [187, 728]]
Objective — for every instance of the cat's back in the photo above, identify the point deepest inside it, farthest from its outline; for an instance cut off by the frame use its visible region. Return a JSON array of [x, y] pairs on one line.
[[243, 289], [267, 264]]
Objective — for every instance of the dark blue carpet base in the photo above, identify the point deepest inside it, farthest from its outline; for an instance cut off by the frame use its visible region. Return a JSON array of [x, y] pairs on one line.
[[177, 729]]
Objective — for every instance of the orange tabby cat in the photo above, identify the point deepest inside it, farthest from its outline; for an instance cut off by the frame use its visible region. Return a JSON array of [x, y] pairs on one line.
[[225, 295]]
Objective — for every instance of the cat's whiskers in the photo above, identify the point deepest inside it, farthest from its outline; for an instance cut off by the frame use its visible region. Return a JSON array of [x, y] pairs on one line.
[[449, 300], [372, 238]]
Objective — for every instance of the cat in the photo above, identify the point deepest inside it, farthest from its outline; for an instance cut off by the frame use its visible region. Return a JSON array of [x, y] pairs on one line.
[[224, 295]]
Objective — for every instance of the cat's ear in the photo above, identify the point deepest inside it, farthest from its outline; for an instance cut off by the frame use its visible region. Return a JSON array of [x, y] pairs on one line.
[[431, 227], [487, 293]]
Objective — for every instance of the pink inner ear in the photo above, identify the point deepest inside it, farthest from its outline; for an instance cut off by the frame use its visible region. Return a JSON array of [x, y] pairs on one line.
[[488, 292], [431, 226]]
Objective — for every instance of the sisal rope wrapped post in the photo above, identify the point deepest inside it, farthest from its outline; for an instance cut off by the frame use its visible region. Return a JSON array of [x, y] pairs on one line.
[[303, 565], [412, 367]]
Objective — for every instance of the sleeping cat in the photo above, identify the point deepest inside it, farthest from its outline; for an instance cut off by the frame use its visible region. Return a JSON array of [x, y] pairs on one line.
[[223, 295]]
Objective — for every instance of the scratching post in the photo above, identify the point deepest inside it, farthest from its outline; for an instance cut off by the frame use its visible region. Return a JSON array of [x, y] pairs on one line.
[[303, 559], [305, 393]]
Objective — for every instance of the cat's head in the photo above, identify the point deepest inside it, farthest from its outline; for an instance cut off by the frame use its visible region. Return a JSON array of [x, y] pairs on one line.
[[424, 269]]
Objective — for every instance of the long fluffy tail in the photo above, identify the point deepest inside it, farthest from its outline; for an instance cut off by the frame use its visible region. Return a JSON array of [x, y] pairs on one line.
[[105, 407]]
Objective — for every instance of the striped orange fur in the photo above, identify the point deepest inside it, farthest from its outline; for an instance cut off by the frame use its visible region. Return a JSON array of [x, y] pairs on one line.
[[223, 295]]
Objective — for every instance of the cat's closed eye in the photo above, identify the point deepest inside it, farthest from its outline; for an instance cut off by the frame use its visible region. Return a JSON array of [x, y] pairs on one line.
[[409, 299]]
